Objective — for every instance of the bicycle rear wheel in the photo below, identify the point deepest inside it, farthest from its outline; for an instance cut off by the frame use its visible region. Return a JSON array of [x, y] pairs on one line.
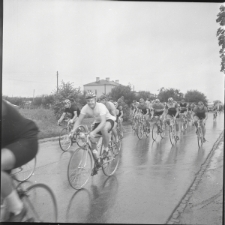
[[40, 203], [111, 162], [65, 141], [24, 172], [79, 168], [172, 135]]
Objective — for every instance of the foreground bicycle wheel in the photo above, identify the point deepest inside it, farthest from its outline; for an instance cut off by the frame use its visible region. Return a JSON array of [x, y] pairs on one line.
[[65, 141], [200, 137], [111, 162], [79, 168], [40, 203], [24, 172]]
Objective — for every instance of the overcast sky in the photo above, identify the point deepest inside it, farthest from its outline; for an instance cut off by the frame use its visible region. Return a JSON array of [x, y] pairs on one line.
[[147, 44]]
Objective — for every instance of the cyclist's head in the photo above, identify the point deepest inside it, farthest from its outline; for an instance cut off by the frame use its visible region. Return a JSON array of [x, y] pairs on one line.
[[116, 104], [200, 103], [170, 99], [141, 100], [134, 101], [91, 99], [182, 100], [103, 98], [157, 101], [67, 103]]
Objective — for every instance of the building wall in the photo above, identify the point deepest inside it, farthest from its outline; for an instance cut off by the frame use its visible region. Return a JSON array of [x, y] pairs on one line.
[[99, 89]]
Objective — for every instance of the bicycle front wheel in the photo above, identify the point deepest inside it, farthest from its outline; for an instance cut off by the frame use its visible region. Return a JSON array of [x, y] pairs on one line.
[[65, 141], [172, 135], [111, 161], [40, 203], [155, 132], [79, 168], [24, 172], [200, 137], [140, 131]]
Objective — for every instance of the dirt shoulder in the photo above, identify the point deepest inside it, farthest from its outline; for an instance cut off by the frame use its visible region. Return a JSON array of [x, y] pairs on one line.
[[203, 203]]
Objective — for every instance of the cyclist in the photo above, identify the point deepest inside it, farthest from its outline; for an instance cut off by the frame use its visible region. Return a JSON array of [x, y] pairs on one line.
[[158, 110], [215, 110], [183, 109], [103, 124], [70, 109], [119, 113], [112, 110], [144, 110], [171, 110], [134, 106], [19, 145], [201, 113]]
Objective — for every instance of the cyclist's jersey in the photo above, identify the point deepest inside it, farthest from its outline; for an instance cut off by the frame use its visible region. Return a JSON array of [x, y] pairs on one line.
[[15, 126], [200, 113], [183, 107], [111, 107], [99, 110], [192, 107], [71, 110], [147, 104], [143, 108], [172, 108], [135, 105]]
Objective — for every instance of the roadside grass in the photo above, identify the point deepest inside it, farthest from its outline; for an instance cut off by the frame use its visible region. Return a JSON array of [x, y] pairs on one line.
[[47, 122]]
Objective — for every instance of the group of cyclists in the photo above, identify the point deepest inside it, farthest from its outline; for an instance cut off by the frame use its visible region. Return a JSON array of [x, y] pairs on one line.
[[171, 109], [20, 135]]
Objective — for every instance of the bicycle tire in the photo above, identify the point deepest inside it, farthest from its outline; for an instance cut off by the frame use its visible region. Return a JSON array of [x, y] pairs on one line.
[[38, 204], [171, 135], [155, 132], [24, 172], [111, 162], [79, 141], [140, 131], [147, 130], [65, 141], [78, 169], [199, 137]]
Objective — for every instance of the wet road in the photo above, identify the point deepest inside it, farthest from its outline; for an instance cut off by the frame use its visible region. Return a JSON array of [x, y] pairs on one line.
[[151, 178]]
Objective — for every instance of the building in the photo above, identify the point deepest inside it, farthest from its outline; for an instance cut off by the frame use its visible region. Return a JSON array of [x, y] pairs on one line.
[[100, 87]]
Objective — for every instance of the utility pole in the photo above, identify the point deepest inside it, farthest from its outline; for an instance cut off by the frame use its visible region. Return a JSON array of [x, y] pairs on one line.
[[57, 82]]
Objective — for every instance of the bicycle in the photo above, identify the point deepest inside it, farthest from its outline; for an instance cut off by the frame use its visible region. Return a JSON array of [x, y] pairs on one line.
[[24, 172], [39, 201], [158, 129], [184, 122], [172, 131], [199, 133], [65, 141], [142, 128], [83, 163]]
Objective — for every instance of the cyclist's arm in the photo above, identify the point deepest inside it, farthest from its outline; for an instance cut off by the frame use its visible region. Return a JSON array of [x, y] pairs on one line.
[[75, 116], [61, 118], [121, 114], [78, 122]]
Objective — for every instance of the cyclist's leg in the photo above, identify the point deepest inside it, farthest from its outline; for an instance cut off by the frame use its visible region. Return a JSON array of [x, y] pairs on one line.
[[105, 133], [114, 131], [202, 122]]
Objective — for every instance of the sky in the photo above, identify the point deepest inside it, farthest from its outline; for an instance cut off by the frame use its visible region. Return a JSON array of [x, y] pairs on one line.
[[147, 45]]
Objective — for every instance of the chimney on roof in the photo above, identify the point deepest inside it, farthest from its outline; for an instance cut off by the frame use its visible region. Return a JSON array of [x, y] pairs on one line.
[[97, 79], [117, 81], [107, 78]]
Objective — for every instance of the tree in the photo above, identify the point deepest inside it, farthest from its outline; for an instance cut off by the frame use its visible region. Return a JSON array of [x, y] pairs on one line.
[[164, 94], [195, 96], [144, 95], [220, 34], [66, 91], [121, 90]]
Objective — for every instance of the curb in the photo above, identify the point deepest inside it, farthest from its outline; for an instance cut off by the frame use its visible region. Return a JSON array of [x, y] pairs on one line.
[[174, 217]]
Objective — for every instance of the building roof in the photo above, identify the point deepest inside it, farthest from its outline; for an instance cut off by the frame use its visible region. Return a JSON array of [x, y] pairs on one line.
[[102, 83]]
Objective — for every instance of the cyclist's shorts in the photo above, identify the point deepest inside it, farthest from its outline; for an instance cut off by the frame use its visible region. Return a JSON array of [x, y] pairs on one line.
[[24, 149], [158, 113], [201, 116], [109, 120], [183, 110]]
